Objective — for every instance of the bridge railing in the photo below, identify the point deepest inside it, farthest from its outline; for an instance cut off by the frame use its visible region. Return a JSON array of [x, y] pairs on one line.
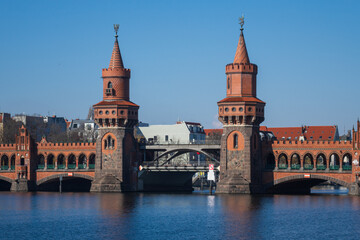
[[197, 142], [191, 163]]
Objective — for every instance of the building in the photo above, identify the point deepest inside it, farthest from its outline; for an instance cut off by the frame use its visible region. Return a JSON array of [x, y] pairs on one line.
[[86, 129], [179, 133]]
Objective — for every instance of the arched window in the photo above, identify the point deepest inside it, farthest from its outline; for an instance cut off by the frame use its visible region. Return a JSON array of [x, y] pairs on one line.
[[235, 140], [308, 162], [61, 161], [71, 161], [4, 162], [109, 85], [346, 165], [295, 161], [40, 161], [82, 161], [92, 161], [282, 161], [321, 162], [13, 162], [334, 162], [50, 162], [109, 143]]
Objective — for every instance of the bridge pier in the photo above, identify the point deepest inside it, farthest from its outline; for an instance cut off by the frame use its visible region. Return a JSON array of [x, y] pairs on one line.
[[22, 185], [354, 189]]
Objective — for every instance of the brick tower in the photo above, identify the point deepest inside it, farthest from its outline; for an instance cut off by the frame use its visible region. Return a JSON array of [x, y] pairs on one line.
[[241, 113], [24, 164], [116, 116]]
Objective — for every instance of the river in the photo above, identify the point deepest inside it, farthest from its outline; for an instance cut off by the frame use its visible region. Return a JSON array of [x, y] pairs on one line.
[[46, 215]]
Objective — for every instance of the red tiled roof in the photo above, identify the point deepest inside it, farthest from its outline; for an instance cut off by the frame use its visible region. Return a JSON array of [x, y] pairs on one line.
[[241, 99], [309, 132], [118, 102], [209, 132]]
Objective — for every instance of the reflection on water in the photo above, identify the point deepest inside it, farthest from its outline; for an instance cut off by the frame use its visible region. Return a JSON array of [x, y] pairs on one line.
[[177, 216]]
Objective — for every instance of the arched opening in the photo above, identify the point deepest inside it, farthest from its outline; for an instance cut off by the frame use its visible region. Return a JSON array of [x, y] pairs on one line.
[[40, 161], [282, 161], [346, 164], [92, 161], [50, 162], [22, 161], [308, 162], [68, 184], [4, 162], [270, 161], [12, 162], [235, 141], [61, 161], [109, 85], [71, 161], [82, 161], [334, 162], [298, 184], [320, 162], [295, 161], [5, 185]]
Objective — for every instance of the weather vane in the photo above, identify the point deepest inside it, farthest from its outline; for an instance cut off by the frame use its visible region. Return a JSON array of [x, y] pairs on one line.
[[116, 28], [241, 22]]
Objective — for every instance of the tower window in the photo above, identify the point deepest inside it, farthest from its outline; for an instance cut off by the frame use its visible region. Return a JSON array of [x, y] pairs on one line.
[[109, 85], [109, 143], [235, 140]]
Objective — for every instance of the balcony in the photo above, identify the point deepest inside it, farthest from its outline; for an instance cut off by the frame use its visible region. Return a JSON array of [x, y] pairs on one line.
[[108, 91]]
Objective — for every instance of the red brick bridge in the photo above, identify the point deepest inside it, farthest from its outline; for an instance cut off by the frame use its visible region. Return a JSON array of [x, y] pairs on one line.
[[26, 165]]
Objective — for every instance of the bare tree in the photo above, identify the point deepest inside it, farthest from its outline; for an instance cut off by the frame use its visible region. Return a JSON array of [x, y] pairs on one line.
[[10, 130]]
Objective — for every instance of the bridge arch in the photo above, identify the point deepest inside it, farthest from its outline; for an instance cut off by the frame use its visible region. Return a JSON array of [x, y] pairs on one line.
[[64, 175], [179, 152], [74, 183], [5, 183], [286, 184], [6, 179], [313, 176]]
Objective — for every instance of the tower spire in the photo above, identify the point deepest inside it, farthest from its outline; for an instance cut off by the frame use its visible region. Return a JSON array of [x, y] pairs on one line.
[[241, 55], [116, 60]]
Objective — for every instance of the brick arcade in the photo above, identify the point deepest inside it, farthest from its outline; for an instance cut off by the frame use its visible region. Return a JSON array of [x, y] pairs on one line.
[[250, 162]]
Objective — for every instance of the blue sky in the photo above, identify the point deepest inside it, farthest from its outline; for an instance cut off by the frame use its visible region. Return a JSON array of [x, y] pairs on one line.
[[52, 53]]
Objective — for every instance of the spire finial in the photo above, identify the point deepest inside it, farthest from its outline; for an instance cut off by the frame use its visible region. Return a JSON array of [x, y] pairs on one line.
[[116, 28], [241, 22]]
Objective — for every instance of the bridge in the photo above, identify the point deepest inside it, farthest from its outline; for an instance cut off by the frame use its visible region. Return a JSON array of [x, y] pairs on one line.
[[161, 171]]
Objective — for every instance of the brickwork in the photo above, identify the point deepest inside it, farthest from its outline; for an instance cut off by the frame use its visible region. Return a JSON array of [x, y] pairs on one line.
[[116, 150]]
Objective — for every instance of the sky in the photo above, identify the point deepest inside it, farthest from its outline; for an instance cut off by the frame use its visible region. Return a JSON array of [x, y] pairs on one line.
[[307, 52]]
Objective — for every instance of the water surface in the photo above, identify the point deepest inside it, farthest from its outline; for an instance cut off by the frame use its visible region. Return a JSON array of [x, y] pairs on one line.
[[177, 216]]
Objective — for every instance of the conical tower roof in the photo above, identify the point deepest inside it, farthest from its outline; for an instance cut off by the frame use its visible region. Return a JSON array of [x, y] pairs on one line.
[[116, 60], [241, 55]]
